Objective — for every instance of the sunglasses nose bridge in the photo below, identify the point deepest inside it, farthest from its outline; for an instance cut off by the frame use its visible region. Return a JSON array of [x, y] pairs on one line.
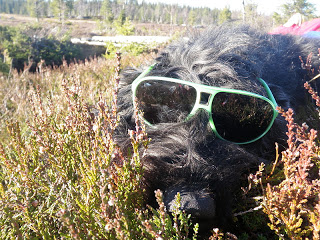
[[203, 103], [204, 100]]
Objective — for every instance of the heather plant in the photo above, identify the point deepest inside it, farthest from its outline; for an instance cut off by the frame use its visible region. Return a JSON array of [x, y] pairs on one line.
[[94, 75], [64, 176], [54, 180], [293, 205], [291, 187], [163, 225]]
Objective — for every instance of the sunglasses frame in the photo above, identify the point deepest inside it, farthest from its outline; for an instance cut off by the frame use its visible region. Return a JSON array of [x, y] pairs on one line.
[[201, 88]]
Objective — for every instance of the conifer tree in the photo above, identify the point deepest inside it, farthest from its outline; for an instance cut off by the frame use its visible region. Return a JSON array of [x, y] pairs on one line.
[[306, 9], [35, 8], [106, 11], [298, 6], [225, 15], [58, 8]]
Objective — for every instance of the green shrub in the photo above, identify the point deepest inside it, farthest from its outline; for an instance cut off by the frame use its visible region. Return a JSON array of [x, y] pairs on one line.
[[133, 48], [53, 51], [4, 68], [126, 29], [16, 43]]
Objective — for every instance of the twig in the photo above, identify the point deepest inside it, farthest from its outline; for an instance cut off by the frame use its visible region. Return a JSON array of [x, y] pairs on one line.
[[248, 211]]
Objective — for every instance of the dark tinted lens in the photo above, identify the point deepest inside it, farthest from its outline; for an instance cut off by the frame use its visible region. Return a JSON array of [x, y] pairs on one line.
[[164, 101], [240, 118]]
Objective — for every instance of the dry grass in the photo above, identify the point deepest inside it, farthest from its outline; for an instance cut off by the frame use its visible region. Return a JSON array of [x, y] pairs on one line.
[[94, 74], [85, 28]]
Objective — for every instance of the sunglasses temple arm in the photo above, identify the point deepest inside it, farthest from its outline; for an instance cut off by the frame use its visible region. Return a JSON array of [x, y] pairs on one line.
[[270, 95], [145, 72]]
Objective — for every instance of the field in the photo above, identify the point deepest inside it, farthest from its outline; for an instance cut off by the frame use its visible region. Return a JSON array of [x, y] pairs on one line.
[[86, 28], [63, 177]]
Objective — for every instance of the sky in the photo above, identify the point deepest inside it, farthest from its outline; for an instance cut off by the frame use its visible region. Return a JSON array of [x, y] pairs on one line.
[[264, 6]]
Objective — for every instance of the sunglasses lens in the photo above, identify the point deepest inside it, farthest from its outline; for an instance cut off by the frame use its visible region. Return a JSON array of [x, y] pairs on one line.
[[240, 118], [164, 101]]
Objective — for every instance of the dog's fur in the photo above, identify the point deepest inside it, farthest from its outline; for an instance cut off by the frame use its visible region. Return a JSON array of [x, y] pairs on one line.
[[188, 157]]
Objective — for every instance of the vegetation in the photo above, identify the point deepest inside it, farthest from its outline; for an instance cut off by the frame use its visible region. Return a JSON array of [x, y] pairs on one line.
[[109, 10], [14, 44], [62, 174], [290, 187], [18, 48], [123, 24], [306, 9], [225, 15]]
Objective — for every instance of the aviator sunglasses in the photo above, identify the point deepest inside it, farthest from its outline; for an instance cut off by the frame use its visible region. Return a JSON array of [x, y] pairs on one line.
[[234, 115]]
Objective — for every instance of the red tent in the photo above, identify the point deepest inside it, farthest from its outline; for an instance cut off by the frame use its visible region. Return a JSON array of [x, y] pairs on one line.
[[313, 25]]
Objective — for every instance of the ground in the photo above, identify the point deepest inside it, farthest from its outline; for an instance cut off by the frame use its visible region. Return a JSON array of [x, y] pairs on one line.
[[86, 28]]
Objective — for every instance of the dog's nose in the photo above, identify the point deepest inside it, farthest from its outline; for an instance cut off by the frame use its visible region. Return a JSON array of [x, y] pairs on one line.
[[196, 202]]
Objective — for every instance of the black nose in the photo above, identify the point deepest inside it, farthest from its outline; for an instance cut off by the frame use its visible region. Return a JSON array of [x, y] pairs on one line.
[[194, 200]]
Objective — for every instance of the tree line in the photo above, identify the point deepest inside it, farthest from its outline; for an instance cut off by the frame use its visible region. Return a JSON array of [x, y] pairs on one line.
[[108, 10]]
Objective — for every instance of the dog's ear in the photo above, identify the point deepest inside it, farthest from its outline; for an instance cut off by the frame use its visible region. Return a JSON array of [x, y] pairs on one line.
[[282, 98]]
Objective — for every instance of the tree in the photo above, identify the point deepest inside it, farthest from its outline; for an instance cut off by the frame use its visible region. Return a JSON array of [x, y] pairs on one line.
[[251, 12], [121, 18], [277, 18], [214, 16], [169, 13], [106, 11], [80, 8], [69, 7], [299, 6], [192, 17], [109, 10], [59, 9], [225, 15], [295, 6], [123, 24], [35, 8], [126, 29], [158, 13], [133, 2]]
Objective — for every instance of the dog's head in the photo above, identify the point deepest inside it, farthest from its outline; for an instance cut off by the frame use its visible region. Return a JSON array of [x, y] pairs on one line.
[[190, 153]]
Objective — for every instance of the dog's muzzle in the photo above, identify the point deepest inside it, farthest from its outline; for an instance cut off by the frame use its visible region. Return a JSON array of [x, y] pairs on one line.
[[195, 201]]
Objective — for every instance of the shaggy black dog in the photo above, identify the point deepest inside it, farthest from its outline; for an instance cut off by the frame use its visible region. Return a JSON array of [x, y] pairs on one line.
[[187, 156]]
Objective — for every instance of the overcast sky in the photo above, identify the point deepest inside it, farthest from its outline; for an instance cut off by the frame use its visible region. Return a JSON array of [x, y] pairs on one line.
[[264, 6]]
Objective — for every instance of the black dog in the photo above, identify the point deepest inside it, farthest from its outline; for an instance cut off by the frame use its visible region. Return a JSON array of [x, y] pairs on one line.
[[186, 155]]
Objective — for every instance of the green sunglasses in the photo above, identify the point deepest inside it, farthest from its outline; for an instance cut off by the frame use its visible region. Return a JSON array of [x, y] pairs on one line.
[[234, 115]]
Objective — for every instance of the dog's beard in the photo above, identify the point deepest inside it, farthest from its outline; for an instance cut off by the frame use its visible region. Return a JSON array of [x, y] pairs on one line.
[[188, 156]]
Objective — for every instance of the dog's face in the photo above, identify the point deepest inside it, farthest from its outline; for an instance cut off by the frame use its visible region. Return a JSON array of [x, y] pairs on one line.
[[187, 156]]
